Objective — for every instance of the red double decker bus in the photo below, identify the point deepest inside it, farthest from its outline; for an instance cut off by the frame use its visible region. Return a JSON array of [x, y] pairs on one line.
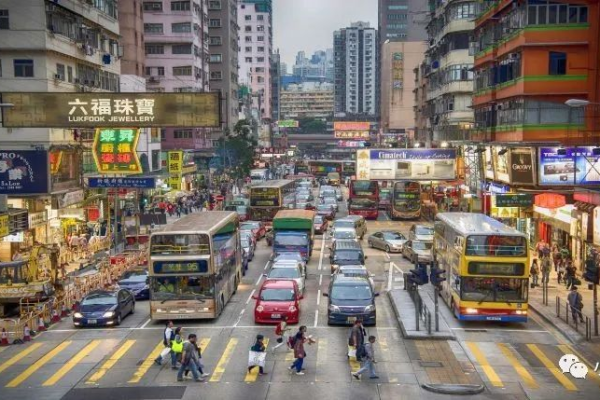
[[364, 199]]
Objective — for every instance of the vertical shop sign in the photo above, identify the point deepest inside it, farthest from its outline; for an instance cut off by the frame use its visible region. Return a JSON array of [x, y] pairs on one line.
[[398, 71], [55, 160], [4, 231], [114, 151], [175, 168]]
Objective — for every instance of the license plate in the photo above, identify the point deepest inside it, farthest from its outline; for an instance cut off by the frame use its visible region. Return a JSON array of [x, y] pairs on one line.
[[493, 318], [351, 320], [92, 321], [275, 315]]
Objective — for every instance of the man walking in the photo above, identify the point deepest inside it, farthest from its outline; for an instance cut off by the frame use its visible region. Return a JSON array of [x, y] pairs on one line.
[[357, 335], [189, 359], [546, 268], [168, 336], [367, 360], [576, 303]]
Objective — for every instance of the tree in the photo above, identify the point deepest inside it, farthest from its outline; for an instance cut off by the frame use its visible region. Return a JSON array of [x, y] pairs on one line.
[[236, 149], [312, 125]]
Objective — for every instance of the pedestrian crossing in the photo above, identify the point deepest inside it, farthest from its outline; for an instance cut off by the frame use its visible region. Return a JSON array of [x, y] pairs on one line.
[[130, 362]]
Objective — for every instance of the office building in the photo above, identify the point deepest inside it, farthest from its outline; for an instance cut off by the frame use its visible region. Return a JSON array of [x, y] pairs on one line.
[[402, 20], [307, 100]]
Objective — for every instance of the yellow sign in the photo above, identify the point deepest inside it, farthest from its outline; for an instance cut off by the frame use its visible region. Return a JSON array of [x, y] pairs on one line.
[[115, 152], [188, 169], [175, 162], [4, 229], [175, 182]]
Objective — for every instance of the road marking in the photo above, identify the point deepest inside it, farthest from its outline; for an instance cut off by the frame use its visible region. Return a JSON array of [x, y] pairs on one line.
[[38, 364], [388, 256], [18, 357], [250, 297], [267, 265], [552, 367], [252, 375], [502, 330], [224, 360], [259, 279], [322, 253], [523, 373], [318, 296], [108, 364], [391, 279], [566, 349], [146, 323], [316, 318], [320, 279], [485, 365], [204, 344], [321, 355], [69, 365], [147, 363]]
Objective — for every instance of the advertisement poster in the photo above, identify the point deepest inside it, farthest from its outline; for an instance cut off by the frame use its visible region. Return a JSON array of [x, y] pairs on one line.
[[488, 165], [501, 164], [521, 166], [577, 166], [397, 71], [351, 126], [414, 164], [361, 135], [23, 172], [115, 152]]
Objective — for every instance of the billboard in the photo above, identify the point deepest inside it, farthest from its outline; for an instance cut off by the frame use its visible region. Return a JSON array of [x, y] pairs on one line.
[[114, 151], [397, 71], [414, 164], [501, 164], [288, 123], [576, 166], [351, 126], [521, 166], [360, 135], [23, 172], [117, 110]]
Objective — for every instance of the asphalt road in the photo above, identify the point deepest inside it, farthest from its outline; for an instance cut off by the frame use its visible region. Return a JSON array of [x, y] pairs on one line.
[[512, 361]]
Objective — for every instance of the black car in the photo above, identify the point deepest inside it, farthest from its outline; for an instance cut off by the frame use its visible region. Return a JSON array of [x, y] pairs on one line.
[[351, 298], [136, 282], [104, 308]]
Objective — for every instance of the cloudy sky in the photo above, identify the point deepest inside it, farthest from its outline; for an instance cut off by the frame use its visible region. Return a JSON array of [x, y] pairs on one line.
[[309, 24]]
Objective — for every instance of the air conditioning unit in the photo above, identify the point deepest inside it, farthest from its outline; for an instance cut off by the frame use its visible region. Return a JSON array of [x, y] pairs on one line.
[[153, 79]]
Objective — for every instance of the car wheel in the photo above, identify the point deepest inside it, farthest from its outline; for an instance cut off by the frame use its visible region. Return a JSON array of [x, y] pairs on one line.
[[370, 244], [387, 249], [119, 320]]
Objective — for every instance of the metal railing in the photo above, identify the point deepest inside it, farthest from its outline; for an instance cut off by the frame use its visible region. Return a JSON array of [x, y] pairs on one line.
[[574, 318], [422, 313]]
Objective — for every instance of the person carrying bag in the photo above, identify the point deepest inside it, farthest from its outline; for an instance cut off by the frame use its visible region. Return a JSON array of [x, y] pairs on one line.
[[257, 355]]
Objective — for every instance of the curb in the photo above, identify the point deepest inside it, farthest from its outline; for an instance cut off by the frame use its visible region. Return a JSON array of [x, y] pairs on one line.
[[443, 388], [570, 334]]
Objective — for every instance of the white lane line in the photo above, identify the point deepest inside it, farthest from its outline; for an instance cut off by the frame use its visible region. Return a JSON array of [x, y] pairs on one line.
[[320, 279], [250, 297], [318, 296], [322, 253], [162, 328], [258, 281], [266, 265], [146, 323], [316, 318], [243, 311], [500, 330], [388, 256]]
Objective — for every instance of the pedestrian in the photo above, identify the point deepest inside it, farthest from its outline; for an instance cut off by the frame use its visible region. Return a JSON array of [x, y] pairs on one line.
[[367, 360], [561, 272], [356, 337], [178, 211], [176, 349], [200, 366], [280, 331], [168, 336], [535, 272], [299, 353], [546, 267], [556, 257], [570, 274], [189, 359], [257, 355], [576, 303], [540, 248]]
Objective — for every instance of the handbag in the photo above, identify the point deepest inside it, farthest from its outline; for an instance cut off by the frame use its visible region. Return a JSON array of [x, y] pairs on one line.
[[351, 351], [256, 358], [279, 340]]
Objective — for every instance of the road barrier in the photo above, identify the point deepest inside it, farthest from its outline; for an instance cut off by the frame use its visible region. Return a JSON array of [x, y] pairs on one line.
[[569, 314], [422, 313]]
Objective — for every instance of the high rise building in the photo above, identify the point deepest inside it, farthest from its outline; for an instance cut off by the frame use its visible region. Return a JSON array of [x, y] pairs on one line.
[[275, 85], [307, 100], [402, 20], [318, 68], [355, 52], [223, 48]]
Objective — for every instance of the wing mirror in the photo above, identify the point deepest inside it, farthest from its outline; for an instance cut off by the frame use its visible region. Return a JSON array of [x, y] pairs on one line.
[[255, 297], [325, 294]]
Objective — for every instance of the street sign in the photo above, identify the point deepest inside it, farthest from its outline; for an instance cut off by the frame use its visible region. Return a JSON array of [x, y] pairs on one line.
[[114, 151], [514, 200], [128, 183]]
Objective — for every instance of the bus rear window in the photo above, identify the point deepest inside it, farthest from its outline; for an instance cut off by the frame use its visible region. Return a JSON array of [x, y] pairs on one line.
[[495, 245], [180, 244]]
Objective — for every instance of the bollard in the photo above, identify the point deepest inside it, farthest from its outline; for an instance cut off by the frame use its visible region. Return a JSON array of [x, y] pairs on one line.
[[55, 317], [26, 334], [4, 338]]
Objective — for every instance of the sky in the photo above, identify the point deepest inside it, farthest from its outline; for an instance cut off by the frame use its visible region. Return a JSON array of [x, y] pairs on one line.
[[309, 24]]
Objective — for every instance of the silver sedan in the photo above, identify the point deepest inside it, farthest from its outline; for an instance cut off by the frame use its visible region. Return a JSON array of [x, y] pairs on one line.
[[390, 241], [417, 250]]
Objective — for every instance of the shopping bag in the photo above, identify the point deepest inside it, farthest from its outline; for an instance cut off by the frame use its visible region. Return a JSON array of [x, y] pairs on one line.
[[165, 352], [351, 351], [256, 358]]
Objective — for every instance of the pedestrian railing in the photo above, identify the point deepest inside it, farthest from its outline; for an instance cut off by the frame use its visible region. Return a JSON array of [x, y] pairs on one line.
[[422, 313], [574, 318]]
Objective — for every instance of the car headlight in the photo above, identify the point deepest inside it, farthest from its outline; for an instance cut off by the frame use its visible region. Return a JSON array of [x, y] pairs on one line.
[[78, 315], [260, 308], [333, 308], [108, 314], [370, 308], [292, 308]]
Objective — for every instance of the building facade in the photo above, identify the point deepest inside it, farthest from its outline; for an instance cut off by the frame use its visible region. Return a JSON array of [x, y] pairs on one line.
[[355, 62], [402, 20], [275, 86], [307, 100], [318, 68], [131, 26]]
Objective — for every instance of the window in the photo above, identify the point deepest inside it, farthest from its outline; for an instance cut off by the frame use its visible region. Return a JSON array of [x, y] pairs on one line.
[[260, 38], [182, 71], [69, 74], [216, 75], [260, 49], [153, 28], [155, 71], [248, 39], [180, 5], [214, 22], [260, 17], [23, 68], [558, 63], [555, 13], [181, 27], [214, 5], [260, 79], [260, 59], [248, 49], [215, 41], [4, 19], [248, 17], [399, 7], [183, 134], [153, 6], [185, 48], [260, 69], [248, 59], [60, 71], [248, 28], [152, 48], [260, 28], [397, 16], [215, 58]]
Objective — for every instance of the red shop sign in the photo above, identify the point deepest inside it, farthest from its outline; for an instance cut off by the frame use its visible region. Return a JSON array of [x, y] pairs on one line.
[[550, 200]]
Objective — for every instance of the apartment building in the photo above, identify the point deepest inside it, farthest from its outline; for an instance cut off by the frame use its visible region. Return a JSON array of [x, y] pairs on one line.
[[307, 100]]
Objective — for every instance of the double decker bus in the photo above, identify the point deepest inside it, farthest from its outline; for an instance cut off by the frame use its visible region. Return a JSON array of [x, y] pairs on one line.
[[406, 200], [195, 266], [267, 198], [320, 168], [487, 267], [363, 199]]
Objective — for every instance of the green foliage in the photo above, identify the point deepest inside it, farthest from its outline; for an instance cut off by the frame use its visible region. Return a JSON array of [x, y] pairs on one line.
[[237, 149], [312, 125]]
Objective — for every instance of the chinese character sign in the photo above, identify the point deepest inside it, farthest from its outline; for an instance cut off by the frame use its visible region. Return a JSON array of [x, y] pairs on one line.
[[4, 229], [361, 135], [55, 160], [175, 162], [351, 126], [115, 151]]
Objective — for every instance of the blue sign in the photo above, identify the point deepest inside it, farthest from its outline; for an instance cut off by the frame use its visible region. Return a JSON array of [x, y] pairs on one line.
[[23, 172], [129, 183], [574, 166], [413, 154]]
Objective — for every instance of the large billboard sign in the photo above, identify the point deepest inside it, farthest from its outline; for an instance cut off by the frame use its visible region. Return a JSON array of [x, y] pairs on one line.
[[414, 164], [351, 126], [23, 172], [115, 110], [573, 166]]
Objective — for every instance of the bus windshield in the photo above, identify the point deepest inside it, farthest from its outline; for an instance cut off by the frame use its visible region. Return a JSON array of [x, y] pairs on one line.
[[182, 287], [407, 201], [494, 289], [169, 244], [495, 245], [362, 204]]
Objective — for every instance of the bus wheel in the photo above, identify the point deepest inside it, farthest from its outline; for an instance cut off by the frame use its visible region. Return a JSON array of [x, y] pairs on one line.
[[453, 307], [222, 305]]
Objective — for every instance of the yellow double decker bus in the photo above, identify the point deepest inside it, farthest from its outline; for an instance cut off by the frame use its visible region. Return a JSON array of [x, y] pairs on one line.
[[487, 267]]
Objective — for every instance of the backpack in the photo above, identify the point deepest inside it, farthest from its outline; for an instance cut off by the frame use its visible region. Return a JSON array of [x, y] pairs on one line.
[[292, 341]]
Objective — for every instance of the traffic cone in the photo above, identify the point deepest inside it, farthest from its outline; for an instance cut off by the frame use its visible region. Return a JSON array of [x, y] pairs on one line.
[[4, 338], [55, 317], [64, 313], [26, 334], [41, 325]]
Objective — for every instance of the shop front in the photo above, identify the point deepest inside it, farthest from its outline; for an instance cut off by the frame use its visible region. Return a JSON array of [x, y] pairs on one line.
[[554, 219], [515, 210]]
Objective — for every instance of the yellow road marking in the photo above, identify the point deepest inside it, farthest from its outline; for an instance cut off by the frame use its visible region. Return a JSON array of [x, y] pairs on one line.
[[566, 349], [15, 359], [354, 364], [252, 375], [523, 373], [383, 345], [224, 360], [204, 344], [69, 365], [141, 371], [38, 364], [552, 367], [108, 364], [321, 355], [485, 365]]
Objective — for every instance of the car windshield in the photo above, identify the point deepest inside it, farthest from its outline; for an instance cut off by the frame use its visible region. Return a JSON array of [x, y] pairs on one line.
[[288, 256], [277, 294], [494, 289], [134, 277], [249, 226], [318, 220], [343, 224], [354, 271], [424, 230], [328, 193], [100, 299], [295, 240], [347, 255], [285, 273], [324, 207], [245, 242], [351, 292], [329, 200], [344, 234], [422, 245], [393, 236]]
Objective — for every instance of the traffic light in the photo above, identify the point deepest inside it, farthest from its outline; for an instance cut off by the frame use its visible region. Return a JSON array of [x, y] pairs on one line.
[[437, 276], [591, 273], [418, 276]]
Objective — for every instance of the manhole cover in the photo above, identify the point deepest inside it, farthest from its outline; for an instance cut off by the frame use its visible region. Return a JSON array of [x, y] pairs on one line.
[[431, 364]]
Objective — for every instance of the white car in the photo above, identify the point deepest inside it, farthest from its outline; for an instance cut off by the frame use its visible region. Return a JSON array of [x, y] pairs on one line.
[[330, 201], [288, 271], [355, 270], [343, 233]]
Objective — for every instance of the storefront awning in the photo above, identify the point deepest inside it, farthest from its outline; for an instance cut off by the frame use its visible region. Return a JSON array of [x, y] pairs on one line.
[[585, 207]]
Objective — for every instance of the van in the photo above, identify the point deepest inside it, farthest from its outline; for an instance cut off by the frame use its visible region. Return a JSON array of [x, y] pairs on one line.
[[353, 221], [346, 252], [351, 298], [333, 178]]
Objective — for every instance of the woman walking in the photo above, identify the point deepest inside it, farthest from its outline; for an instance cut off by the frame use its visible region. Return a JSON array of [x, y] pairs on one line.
[[257, 355], [299, 352], [535, 272]]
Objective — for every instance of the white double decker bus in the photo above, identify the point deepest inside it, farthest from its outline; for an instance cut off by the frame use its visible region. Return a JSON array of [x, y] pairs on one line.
[[195, 266]]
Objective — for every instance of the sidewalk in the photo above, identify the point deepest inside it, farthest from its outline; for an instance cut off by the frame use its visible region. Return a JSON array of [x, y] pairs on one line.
[[549, 312]]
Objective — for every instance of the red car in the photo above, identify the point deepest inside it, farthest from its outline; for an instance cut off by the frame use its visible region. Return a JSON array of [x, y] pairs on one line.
[[276, 299], [258, 229], [321, 224]]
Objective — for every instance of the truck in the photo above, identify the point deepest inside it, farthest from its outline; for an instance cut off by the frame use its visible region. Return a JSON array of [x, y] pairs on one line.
[[293, 231]]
